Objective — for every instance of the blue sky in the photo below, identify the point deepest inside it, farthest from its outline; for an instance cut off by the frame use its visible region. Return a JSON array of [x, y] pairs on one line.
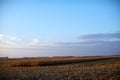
[[48, 23]]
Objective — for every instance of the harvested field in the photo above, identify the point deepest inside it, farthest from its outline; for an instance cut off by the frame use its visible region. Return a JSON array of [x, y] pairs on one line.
[[72, 68]]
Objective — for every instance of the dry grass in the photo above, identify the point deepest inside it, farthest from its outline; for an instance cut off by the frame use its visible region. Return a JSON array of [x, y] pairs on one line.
[[51, 61], [76, 68]]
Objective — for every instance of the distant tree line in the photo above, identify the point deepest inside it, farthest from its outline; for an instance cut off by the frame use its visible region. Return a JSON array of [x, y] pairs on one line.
[[3, 57]]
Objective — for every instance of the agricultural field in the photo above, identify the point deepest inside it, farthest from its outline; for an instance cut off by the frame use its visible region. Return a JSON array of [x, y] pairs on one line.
[[61, 68]]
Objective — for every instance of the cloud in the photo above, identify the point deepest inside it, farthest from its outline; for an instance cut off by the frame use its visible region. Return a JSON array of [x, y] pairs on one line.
[[90, 43], [90, 48], [87, 45], [1, 37], [34, 42], [81, 43], [93, 44], [100, 36], [8, 41]]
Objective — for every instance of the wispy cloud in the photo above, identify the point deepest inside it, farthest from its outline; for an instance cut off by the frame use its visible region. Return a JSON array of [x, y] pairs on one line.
[[100, 36], [93, 44], [8, 41], [14, 42], [89, 44], [81, 43], [1, 37], [34, 42], [85, 40]]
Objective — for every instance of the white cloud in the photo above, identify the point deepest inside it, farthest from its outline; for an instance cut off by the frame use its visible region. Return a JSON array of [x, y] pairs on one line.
[[34, 42], [47, 43], [7, 41], [37, 43], [36, 46], [1, 37], [10, 42]]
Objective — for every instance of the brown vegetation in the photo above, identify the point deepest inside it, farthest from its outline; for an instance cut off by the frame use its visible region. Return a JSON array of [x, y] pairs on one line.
[[72, 68], [56, 61]]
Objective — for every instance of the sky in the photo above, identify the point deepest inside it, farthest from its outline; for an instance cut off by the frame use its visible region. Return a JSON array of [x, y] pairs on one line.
[[35, 28]]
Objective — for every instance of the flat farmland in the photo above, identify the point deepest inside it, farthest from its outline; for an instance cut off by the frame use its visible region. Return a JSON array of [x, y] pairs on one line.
[[61, 68]]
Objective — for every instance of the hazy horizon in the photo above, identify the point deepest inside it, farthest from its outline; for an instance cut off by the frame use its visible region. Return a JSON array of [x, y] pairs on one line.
[[59, 28]]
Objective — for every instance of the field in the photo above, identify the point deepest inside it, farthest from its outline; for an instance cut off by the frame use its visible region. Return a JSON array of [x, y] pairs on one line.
[[61, 68]]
